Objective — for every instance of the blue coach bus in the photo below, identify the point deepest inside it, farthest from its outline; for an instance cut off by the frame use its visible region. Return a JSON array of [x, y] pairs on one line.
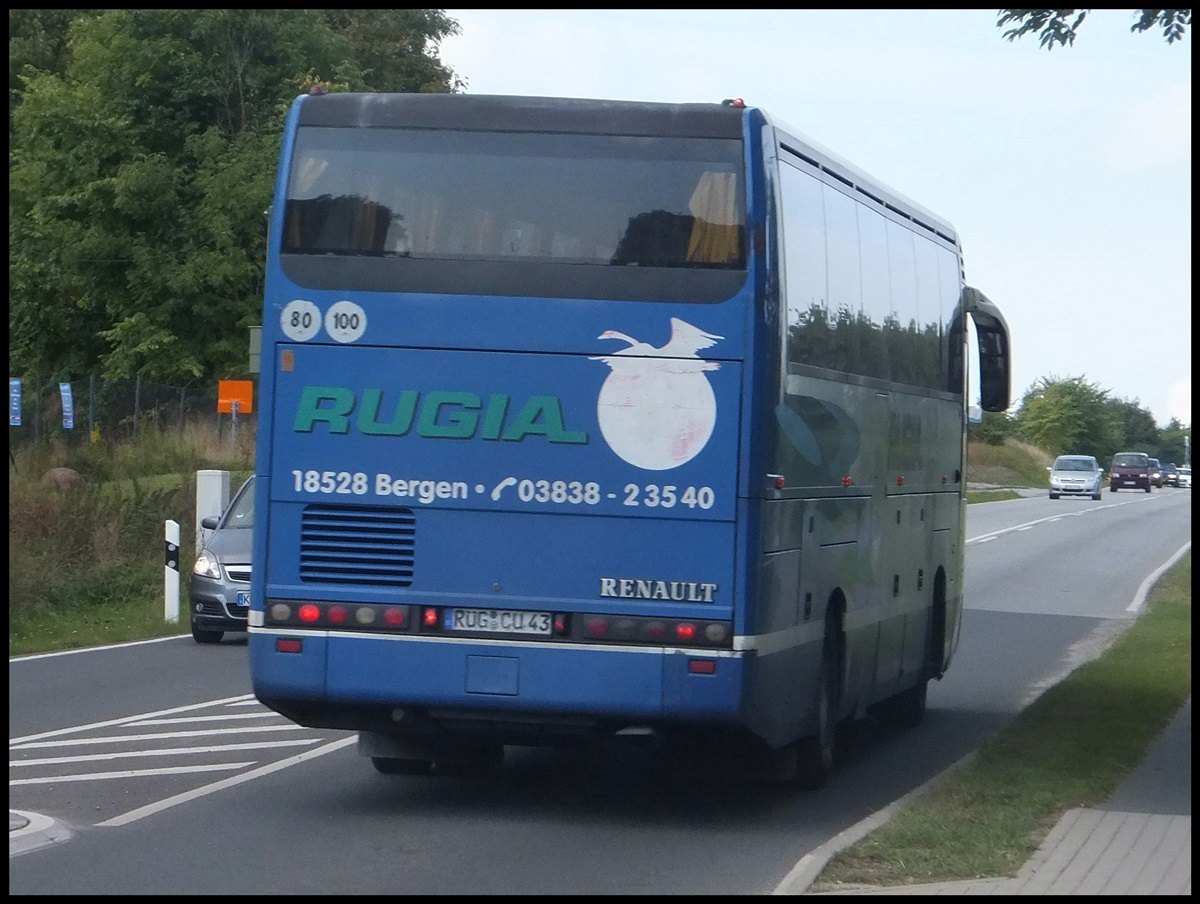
[[584, 420]]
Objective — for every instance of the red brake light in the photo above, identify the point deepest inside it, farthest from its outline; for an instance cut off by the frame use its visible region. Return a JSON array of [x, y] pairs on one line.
[[394, 616], [308, 613], [429, 617], [337, 614], [685, 631]]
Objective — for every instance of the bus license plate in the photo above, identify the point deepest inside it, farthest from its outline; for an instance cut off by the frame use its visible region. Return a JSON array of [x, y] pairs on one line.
[[497, 621], [243, 598]]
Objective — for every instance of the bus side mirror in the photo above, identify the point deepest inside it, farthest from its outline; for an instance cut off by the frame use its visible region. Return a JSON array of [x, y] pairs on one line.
[[994, 351]]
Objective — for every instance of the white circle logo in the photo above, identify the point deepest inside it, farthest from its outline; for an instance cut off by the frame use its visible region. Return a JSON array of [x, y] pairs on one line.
[[300, 320], [656, 409], [345, 321]]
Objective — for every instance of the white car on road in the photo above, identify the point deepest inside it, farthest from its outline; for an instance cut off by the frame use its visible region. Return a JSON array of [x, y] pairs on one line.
[[1076, 475]]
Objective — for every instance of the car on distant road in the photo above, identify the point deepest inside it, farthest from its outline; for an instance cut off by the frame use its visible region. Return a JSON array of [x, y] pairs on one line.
[[1129, 470], [219, 588], [1076, 475], [1170, 474], [1185, 477], [1155, 472]]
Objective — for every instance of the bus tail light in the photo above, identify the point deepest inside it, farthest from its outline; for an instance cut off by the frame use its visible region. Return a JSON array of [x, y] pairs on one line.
[[289, 645], [565, 627], [702, 666], [657, 631]]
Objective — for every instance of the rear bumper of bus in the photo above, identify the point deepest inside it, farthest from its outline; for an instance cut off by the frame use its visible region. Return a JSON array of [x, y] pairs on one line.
[[377, 683]]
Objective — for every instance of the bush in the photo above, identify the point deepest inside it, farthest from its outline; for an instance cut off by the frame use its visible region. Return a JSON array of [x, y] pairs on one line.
[[86, 558]]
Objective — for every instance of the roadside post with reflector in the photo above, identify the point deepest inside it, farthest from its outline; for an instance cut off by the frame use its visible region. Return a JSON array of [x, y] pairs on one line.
[[171, 573]]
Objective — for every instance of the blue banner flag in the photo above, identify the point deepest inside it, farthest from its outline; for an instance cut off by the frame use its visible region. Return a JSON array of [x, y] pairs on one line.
[[68, 406], [14, 401]]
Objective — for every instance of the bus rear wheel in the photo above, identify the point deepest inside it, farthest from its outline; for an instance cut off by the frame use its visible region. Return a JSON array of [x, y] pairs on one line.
[[816, 755]]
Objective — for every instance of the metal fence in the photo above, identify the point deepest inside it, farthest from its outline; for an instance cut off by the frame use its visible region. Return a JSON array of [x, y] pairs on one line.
[[92, 409]]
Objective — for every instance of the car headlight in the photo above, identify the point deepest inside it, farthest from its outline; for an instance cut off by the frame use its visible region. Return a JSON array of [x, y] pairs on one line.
[[207, 565]]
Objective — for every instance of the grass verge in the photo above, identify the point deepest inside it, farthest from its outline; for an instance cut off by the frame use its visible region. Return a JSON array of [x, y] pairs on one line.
[[974, 496], [1070, 748], [1011, 464]]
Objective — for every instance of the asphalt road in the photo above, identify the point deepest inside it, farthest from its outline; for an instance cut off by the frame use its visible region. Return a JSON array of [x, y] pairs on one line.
[[163, 775]]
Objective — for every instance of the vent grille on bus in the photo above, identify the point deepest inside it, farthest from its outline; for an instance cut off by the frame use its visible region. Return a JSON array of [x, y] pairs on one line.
[[345, 545]]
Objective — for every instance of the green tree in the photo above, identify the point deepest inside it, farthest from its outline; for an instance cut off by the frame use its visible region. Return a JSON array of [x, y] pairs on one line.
[[141, 165], [38, 41], [1138, 430], [1055, 26], [993, 428], [1068, 416], [1174, 442]]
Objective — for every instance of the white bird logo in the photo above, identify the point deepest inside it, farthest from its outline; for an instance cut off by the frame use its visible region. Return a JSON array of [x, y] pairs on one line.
[[656, 409]]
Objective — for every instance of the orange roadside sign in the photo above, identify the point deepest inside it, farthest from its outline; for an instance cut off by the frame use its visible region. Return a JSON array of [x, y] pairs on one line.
[[240, 391]]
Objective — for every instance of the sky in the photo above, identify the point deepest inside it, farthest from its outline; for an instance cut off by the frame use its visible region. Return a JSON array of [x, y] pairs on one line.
[[1067, 172]]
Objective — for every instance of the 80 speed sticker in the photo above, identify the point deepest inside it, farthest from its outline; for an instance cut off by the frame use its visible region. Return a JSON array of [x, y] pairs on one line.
[[300, 320]]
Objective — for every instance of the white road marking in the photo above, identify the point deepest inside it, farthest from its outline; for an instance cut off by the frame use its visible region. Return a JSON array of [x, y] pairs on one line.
[[111, 646], [166, 751], [266, 713], [151, 809], [133, 773], [1139, 598], [159, 736], [122, 721]]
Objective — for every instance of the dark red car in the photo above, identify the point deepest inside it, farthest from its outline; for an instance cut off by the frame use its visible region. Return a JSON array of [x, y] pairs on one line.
[[1129, 470]]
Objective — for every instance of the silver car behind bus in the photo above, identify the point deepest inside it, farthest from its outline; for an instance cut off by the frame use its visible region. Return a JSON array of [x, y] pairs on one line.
[[1076, 475]]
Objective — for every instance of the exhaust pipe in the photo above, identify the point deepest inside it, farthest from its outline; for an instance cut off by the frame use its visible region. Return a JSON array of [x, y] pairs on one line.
[[641, 737]]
